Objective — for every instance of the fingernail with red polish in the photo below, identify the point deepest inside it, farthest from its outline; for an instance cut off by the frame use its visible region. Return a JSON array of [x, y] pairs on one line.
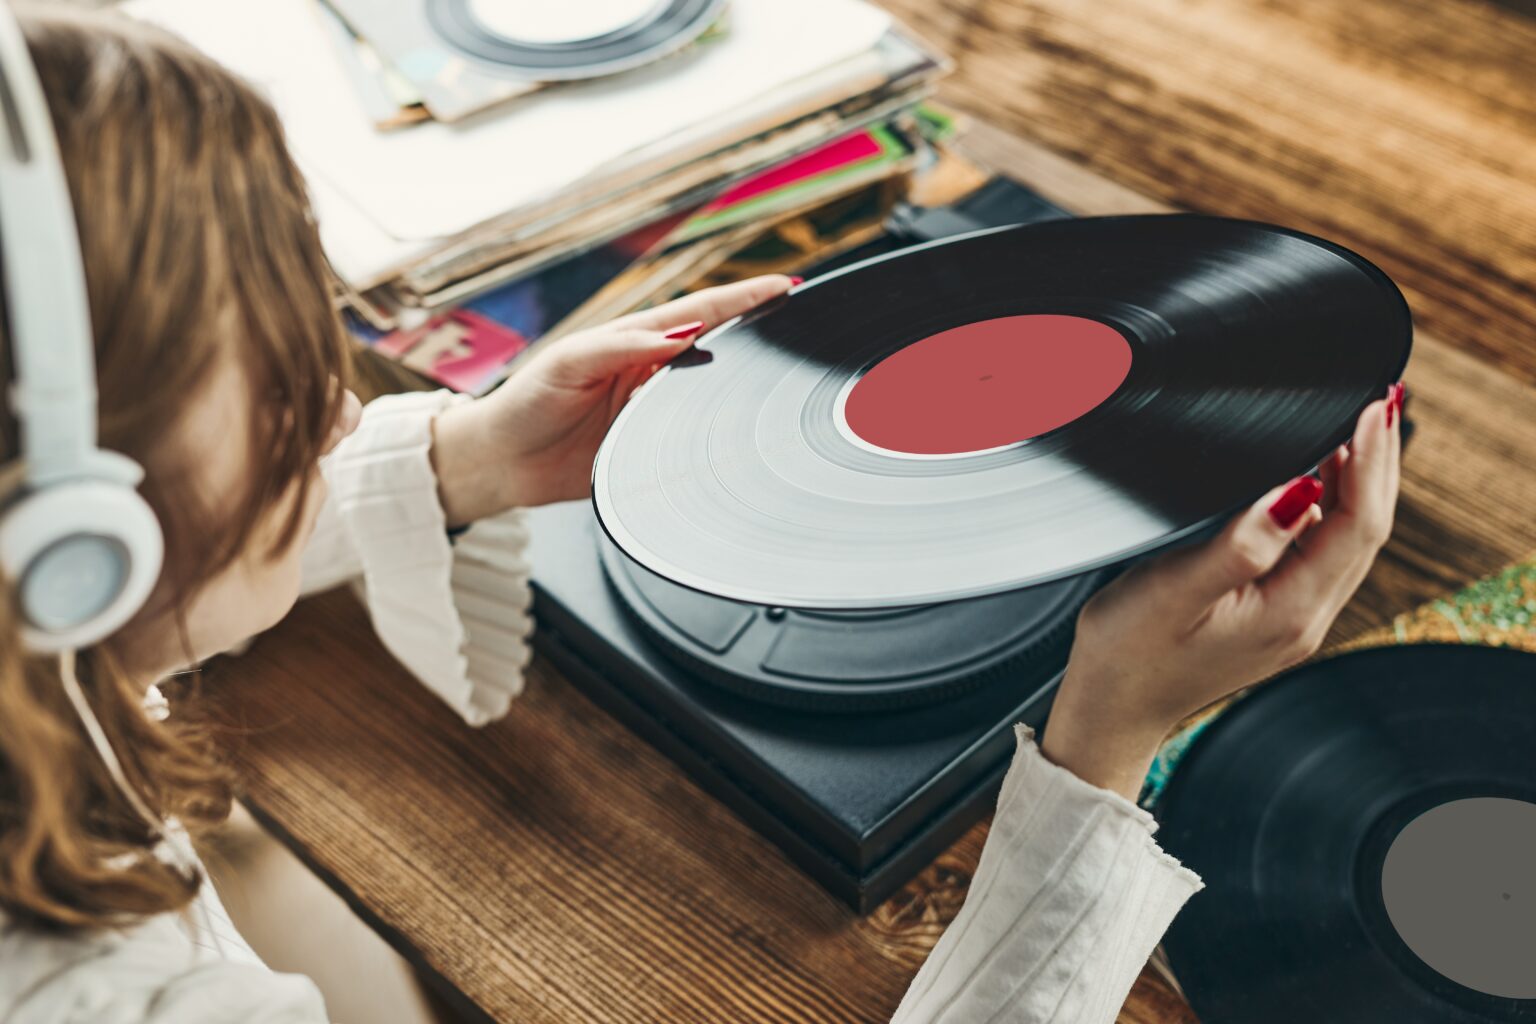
[[795, 282], [1399, 396], [685, 331], [1297, 498]]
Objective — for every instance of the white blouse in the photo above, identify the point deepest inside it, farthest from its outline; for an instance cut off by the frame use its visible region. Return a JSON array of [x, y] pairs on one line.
[[1071, 896]]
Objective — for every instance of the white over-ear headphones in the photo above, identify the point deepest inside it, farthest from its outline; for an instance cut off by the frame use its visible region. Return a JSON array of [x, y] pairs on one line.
[[79, 543]]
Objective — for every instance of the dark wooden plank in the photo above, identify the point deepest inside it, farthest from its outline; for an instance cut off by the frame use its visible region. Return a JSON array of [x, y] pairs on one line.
[[552, 867]]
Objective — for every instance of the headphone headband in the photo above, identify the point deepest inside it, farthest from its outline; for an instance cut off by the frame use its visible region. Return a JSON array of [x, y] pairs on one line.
[[54, 396], [81, 546]]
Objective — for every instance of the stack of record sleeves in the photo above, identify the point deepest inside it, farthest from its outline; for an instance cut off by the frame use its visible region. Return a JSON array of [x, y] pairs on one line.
[[488, 175]]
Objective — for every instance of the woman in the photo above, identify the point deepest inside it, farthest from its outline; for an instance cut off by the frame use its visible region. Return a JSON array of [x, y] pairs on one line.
[[220, 365]]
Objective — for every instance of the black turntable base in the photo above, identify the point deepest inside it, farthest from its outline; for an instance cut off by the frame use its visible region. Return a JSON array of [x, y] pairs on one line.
[[862, 780]]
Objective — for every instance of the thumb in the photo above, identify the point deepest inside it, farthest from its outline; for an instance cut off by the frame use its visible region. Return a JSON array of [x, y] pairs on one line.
[[603, 353], [712, 305], [1248, 547]]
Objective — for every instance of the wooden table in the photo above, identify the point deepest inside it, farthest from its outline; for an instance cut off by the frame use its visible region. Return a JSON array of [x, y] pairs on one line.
[[552, 867]]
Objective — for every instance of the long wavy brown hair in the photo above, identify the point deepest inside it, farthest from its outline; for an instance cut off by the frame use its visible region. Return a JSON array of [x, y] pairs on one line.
[[199, 245]]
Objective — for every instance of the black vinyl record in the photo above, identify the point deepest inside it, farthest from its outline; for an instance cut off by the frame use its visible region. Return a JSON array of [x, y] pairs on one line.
[[998, 410], [1366, 830], [662, 28]]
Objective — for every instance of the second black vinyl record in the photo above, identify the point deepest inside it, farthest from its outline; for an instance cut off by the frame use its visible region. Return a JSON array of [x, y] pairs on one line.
[[998, 410], [1366, 831]]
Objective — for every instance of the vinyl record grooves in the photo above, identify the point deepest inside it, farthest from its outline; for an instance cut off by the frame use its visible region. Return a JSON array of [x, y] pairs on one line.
[[1366, 830], [1000, 410], [665, 27]]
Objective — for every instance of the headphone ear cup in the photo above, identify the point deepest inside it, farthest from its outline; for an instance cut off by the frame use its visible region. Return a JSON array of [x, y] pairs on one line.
[[83, 558]]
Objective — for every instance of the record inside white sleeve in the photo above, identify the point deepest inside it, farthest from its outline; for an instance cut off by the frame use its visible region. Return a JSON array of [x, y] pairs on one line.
[[540, 21], [438, 180]]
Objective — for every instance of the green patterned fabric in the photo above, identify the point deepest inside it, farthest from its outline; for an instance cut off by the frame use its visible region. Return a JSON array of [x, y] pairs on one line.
[[1496, 611]]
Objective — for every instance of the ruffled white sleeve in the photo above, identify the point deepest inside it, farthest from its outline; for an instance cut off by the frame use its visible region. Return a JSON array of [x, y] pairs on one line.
[[188, 968], [1070, 898], [455, 613]]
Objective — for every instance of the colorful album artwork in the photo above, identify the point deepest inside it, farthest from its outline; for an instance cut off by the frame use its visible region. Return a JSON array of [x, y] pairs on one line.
[[462, 350], [822, 171]]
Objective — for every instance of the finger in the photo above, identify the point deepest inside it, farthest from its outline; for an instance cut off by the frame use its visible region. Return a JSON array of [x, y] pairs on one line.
[[1368, 479], [1334, 558], [714, 306], [1191, 580], [1364, 487], [1328, 470], [624, 387], [602, 353], [1310, 588], [1395, 453]]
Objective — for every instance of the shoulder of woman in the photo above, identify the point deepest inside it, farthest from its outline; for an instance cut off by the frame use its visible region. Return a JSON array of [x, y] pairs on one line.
[[154, 973]]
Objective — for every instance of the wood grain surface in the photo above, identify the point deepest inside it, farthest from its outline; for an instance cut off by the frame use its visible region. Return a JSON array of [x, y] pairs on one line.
[[552, 867], [1405, 129]]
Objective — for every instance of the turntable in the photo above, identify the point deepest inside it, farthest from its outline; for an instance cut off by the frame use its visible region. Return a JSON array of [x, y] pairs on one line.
[[860, 743]]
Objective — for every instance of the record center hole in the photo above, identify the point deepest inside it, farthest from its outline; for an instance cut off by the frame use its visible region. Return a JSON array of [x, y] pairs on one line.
[[1043, 371]]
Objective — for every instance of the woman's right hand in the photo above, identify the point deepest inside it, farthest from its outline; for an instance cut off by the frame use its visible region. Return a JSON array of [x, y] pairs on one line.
[[1180, 631]]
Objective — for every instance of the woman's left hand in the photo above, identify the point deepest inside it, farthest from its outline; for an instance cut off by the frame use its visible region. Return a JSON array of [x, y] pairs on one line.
[[532, 440], [1190, 626]]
